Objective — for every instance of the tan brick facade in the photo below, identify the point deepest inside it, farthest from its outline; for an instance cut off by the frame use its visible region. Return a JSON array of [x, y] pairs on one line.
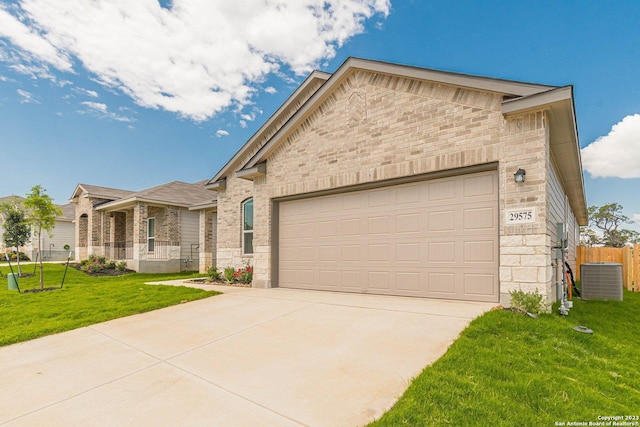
[[374, 127], [123, 234]]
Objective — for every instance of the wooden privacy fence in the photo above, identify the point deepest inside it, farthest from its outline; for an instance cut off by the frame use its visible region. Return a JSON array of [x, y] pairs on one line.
[[629, 258]]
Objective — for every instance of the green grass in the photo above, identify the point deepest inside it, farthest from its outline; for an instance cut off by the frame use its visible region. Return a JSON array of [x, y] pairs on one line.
[[84, 300], [507, 369]]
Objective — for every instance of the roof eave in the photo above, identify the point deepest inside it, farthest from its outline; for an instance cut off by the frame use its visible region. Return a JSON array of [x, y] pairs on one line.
[[203, 206], [129, 202], [253, 172]]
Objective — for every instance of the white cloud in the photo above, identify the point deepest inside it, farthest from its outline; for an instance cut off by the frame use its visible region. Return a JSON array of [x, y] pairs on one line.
[[85, 92], [248, 117], [98, 106], [243, 124], [27, 97], [616, 154], [271, 90], [221, 132], [102, 110], [195, 58], [32, 43]]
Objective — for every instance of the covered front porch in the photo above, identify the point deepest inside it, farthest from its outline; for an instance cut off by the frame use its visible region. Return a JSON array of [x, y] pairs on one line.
[[147, 237]]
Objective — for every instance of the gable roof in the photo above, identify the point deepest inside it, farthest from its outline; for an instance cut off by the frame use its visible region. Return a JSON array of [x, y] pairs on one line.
[[98, 192], [507, 88], [175, 193], [8, 199], [68, 212]]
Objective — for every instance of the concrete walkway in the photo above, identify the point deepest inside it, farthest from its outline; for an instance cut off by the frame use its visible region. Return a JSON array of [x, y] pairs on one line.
[[272, 357]]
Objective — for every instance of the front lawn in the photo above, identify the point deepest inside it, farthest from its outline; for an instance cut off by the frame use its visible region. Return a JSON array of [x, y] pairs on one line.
[[507, 369], [84, 300]]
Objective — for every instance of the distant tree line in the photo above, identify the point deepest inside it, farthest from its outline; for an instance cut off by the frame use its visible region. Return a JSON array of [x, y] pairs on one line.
[[605, 227]]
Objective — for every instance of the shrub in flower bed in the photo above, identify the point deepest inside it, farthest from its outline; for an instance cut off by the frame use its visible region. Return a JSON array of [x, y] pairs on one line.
[[100, 265]]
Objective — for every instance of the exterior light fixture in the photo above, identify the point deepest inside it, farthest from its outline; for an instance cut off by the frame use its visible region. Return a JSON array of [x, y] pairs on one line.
[[519, 176]]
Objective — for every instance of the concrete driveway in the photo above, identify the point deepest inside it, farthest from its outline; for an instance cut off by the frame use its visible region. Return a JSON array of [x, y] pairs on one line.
[[273, 357]]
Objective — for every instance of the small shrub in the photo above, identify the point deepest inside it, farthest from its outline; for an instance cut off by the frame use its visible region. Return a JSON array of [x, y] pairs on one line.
[[229, 274], [98, 264], [213, 273], [244, 275], [13, 257], [94, 268], [529, 302]]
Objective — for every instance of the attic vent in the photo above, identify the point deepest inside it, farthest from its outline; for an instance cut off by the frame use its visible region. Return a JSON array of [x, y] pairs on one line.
[[601, 280]]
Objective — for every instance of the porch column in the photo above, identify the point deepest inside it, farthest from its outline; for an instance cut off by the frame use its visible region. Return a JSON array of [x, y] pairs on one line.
[[140, 231]]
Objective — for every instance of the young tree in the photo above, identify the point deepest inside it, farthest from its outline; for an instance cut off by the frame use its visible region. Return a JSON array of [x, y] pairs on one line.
[[16, 229], [41, 215], [607, 220]]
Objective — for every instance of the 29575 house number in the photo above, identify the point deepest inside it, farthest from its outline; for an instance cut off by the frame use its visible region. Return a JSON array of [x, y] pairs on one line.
[[521, 216]]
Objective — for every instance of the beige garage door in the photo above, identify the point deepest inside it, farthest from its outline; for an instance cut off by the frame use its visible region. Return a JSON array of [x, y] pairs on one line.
[[435, 238]]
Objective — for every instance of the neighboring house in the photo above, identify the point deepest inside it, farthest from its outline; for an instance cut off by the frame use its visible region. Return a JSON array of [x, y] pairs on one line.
[[153, 229], [389, 179], [54, 246]]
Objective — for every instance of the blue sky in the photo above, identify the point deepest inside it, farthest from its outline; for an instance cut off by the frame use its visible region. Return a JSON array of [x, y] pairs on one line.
[[135, 94]]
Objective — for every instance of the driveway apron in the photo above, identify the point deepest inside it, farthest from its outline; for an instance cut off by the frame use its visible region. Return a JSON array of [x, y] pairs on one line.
[[276, 357]]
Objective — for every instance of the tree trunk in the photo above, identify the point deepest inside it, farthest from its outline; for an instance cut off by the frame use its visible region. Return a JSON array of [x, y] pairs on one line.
[[40, 251], [18, 261]]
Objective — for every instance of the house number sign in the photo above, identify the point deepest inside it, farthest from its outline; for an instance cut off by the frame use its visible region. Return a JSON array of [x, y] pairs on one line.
[[521, 216]]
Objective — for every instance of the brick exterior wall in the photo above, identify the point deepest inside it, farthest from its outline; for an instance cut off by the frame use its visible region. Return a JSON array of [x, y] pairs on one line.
[[207, 240], [105, 233], [374, 127]]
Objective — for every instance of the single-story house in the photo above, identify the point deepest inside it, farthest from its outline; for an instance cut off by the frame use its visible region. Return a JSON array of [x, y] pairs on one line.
[[390, 179], [153, 229], [55, 247]]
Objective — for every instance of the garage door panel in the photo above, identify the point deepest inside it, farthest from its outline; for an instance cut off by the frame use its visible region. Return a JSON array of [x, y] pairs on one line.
[[380, 198], [379, 224], [442, 190], [407, 223], [444, 220], [409, 195], [408, 282], [408, 252], [480, 285], [442, 252], [442, 283], [434, 238], [480, 251], [351, 281], [379, 281], [479, 185], [479, 219], [351, 227]]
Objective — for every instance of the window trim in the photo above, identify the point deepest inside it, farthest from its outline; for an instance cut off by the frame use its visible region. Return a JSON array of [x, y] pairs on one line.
[[242, 229], [151, 238]]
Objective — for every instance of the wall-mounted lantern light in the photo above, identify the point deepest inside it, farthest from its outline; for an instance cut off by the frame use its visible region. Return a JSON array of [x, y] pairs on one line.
[[519, 176]]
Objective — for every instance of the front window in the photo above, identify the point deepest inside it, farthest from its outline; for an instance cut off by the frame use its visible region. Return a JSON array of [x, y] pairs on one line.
[[247, 227], [151, 234]]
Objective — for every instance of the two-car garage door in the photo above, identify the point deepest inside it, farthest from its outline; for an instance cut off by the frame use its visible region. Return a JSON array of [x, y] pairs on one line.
[[435, 238]]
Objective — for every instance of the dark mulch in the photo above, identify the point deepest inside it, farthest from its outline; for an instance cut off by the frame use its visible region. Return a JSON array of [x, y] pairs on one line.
[[206, 281], [105, 272], [35, 290]]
